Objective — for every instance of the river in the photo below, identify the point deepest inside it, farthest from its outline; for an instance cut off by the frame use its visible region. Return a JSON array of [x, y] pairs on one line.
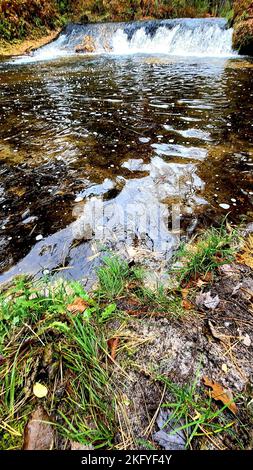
[[109, 150]]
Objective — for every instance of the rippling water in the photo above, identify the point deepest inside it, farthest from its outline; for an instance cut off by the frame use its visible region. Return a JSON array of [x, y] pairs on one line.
[[123, 127]]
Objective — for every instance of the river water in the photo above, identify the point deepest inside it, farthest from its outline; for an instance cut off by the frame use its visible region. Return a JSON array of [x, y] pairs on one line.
[[116, 147]]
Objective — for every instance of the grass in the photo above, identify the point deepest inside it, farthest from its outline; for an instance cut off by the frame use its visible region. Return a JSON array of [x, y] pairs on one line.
[[36, 323], [114, 276], [43, 340], [161, 300], [217, 246], [197, 415]]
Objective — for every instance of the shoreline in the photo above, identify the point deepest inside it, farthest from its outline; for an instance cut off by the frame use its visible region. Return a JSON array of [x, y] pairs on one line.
[[152, 350], [25, 46]]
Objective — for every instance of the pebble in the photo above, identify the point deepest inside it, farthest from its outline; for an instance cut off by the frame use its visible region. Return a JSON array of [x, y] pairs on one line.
[[224, 206], [39, 237]]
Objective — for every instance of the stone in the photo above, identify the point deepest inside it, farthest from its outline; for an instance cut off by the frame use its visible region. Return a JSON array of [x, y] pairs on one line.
[[88, 45], [39, 433]]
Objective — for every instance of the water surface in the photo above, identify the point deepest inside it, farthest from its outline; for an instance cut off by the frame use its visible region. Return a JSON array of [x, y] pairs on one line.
[[126, 128]]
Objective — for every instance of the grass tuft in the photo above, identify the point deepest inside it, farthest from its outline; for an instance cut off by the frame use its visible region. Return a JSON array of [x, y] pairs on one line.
[[212, 249], [114, 276], [196, 415]]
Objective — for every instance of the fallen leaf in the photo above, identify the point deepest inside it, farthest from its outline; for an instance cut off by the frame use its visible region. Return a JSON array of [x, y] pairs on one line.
[[246, 256], [184, 293], [39, 390], [228, 270], [113, 344], [38, 433], [204, 299], [169, 437], [208, 277], [218, 335], [219, 393], [187, 305], [78, 306], [200, 283], [245, 340]]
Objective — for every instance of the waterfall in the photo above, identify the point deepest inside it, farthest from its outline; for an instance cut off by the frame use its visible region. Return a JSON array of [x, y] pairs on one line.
[[209, 37]]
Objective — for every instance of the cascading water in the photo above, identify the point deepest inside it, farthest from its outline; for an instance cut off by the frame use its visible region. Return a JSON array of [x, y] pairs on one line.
[[185, 37]]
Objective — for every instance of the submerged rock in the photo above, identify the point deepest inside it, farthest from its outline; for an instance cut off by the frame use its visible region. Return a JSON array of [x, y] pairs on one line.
[[87, 46]]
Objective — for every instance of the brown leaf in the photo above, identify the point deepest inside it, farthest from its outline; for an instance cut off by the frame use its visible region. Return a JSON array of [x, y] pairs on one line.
[[38, 434], [219, 393], [184, 293], [208, 277], [217, 335], [78, 306], [187, 305], [200, 283], [113, 344]]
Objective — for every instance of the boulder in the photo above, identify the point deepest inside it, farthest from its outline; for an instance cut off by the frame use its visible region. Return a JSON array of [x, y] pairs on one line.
[[87, 46]]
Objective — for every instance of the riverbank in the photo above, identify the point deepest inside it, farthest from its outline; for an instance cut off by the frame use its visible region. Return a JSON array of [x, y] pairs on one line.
[[20, 47], [108, 368]]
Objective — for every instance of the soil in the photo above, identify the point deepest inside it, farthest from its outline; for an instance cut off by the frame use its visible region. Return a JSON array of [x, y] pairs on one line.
[[217, 343]]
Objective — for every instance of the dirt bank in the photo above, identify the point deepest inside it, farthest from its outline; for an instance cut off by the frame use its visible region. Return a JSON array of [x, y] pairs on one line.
[[17, 47]]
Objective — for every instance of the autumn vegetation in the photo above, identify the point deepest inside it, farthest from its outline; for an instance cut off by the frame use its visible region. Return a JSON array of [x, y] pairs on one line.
[[22, 18]]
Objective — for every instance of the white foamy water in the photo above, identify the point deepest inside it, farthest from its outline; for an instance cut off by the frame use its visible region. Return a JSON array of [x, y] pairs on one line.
[[182, 37], [212, 41]]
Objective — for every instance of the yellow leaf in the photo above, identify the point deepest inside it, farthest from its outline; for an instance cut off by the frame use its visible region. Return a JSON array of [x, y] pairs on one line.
[[40, 390]]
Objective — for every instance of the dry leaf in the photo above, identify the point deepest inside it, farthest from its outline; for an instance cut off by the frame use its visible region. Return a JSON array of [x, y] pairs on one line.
[[218, 335], [184, 293], [187, 305], [113, 344], [204, 299], [245, 340], [38, 434], [200, 283], [219, 393], [246, 257], [208, 277], [78, 306], [39, 390]]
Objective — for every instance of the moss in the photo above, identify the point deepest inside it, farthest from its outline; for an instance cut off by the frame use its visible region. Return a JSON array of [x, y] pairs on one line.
[[243, 37]]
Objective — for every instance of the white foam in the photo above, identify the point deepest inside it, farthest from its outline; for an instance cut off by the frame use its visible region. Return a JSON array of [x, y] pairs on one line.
[[211, 41]]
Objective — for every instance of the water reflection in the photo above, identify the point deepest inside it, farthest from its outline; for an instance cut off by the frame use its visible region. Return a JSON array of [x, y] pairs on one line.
[[71, 126]]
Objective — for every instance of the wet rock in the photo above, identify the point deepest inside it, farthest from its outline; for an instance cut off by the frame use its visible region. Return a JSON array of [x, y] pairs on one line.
[[38, 434], [88, 45]]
